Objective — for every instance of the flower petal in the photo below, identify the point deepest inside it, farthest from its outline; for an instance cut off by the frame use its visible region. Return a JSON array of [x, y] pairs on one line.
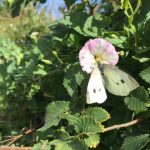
[[87, 60], [97, 48]]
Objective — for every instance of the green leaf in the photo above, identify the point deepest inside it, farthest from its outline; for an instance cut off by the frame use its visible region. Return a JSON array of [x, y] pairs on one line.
[[77, 22], [62, 135], [17, 6], [60, 145], [72, 119], [40, 70], [79, 78], [92, 141], [83, 124], [77, 144], [73, 77], [69, 2], [88, 125], [41, 145], [135, 104], [145, 74], [135, 142], [53, 114], [117, 40], [137, 100], [98, 113], [141, 59], [86, 25]]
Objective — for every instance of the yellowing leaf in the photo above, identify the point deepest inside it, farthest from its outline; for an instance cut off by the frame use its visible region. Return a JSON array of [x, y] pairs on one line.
[[92, 141]]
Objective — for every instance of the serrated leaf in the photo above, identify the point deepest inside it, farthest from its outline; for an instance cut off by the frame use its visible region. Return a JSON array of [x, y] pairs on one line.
[[88, 125], [137, 100], [53, 114], [140, 93], [145, 74], [135, 104], [72, 119], [77, 144], [62, 135], [83, 124], [92, 141], [98, 113], [135, 142]]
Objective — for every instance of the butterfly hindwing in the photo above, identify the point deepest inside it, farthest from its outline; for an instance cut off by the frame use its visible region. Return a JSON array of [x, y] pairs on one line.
[[117, 81], [95, 91]]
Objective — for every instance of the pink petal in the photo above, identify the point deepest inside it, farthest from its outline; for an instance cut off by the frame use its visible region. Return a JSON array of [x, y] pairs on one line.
[[97, 47]]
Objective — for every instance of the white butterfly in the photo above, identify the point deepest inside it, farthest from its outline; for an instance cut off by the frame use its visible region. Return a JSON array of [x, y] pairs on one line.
[[115, 80]]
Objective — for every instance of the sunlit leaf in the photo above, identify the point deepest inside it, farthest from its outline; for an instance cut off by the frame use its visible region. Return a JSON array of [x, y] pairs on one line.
[[92, 141], [98, 113]]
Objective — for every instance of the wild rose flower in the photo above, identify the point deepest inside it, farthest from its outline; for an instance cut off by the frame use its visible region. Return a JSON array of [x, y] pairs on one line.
[[97, 51]]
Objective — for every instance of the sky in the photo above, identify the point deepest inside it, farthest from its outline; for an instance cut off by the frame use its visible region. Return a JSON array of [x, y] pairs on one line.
[[52, 6]]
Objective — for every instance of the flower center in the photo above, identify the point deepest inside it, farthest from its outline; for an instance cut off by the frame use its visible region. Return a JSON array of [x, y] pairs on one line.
[[99, 59]]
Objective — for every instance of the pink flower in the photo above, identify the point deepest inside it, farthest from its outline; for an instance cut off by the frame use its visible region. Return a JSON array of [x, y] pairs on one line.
[[97, 51]]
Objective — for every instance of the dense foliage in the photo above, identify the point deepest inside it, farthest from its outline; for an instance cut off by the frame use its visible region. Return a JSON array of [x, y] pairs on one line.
[[42, 86]]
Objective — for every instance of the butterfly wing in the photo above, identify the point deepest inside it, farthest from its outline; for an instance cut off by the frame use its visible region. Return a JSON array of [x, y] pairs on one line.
[[117, 81], [95, 91]]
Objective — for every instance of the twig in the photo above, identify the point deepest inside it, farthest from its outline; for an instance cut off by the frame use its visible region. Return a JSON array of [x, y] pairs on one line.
[[124, 125], [15, 138], [21, 135], [14, 148]]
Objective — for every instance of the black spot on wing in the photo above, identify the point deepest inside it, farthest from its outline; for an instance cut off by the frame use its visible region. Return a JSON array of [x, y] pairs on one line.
[[122, 81], [117, 83], [94, 90]]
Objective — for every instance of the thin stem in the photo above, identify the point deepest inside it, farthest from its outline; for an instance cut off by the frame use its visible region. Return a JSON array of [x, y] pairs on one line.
[[137, 7], [124, 125]]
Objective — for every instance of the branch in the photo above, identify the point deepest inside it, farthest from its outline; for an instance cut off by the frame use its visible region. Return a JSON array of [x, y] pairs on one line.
[[14, 148], [21, 135], [124, 125], [15, 138]]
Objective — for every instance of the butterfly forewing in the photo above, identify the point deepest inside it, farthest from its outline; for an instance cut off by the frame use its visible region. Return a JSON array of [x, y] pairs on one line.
[[95, 91], [117, 81]]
